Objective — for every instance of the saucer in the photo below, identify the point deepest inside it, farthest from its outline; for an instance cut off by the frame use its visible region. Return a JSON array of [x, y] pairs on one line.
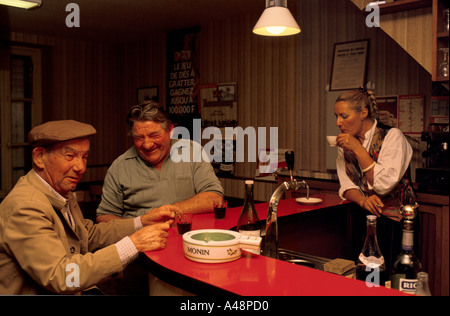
[[310, 201]]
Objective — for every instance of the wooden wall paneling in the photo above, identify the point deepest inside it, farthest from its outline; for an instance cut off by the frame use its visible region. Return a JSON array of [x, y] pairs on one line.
[[206, 53], [59, 109], [106, 139], [406, 28], [98, 105], [308, 62], [445, 252], [429, 237]]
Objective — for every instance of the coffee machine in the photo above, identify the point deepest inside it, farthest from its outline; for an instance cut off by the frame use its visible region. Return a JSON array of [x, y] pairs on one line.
[[434, 177]]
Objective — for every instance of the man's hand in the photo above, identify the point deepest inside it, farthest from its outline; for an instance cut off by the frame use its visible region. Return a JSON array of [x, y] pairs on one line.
[[151, 237], [165, 213]]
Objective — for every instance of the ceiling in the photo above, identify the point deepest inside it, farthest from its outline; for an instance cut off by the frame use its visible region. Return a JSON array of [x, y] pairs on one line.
[[113, 20]]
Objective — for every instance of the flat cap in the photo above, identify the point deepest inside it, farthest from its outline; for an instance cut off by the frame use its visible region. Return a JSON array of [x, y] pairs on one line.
[[59, 131]]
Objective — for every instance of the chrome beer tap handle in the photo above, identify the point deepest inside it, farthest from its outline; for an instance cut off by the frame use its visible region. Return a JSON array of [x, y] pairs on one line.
[[271, 233]]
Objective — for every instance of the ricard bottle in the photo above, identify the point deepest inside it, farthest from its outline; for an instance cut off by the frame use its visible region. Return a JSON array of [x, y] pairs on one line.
[[406, 266], [370, 265], [248, 223]]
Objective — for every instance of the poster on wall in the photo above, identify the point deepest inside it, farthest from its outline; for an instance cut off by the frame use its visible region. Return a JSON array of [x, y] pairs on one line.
[[388, 110], [349, 69], [218, 104], [146, 94], [411, 119], [182, 73]]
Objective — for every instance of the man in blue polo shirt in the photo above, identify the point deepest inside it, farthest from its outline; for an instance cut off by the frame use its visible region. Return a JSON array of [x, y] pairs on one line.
[[145, 177]]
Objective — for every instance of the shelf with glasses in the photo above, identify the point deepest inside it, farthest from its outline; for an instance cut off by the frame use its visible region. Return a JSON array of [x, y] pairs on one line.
[[403, 5], [440, 41]]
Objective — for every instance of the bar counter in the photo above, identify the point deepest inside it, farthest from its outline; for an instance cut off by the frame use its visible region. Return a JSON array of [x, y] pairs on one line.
[[253, 275]]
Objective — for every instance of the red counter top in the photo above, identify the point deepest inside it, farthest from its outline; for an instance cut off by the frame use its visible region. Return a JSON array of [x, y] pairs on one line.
[[254, 275]]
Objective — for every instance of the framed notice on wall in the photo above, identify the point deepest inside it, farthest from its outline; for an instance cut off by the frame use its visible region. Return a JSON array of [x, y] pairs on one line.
[[349, 68], [388, 110], [411, 113], [147, 93], [218, 104]]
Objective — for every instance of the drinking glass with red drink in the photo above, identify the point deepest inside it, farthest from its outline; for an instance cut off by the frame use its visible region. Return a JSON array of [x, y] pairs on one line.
[[220, 208], [184, 222]]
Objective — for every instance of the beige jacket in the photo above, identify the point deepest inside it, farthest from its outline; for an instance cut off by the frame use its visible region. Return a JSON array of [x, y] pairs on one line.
[[39, 251]]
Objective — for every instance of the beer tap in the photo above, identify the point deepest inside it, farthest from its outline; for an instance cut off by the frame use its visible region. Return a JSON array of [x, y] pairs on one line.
[[271, 234]]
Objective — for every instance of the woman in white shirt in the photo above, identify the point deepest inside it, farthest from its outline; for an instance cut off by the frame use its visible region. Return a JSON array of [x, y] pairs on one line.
[[373, 159]]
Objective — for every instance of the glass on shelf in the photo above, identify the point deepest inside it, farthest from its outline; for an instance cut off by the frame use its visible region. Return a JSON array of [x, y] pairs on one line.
[[443, 67], [446, 20]]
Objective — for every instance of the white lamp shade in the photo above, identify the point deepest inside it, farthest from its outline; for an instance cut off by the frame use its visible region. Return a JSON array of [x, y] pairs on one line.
[[24, 4], [276, 21]]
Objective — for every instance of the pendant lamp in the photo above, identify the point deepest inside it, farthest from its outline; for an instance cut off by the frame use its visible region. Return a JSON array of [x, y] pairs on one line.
[[276, 20], [24, 4]]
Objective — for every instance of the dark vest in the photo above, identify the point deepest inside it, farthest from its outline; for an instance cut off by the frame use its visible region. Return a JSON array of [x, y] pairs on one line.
[[402, 194]]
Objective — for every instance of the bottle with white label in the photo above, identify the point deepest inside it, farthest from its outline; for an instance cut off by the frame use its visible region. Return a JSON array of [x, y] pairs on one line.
[[406, 266], [248, 223], [370, 265]]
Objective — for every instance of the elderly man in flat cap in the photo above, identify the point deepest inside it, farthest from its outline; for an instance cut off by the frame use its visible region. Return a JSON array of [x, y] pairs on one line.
[[46, 246]]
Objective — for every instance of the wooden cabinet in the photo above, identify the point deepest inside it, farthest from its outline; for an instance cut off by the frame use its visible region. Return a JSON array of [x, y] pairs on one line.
[[434, 240], [439, 32], [440, 38], [403, 5]]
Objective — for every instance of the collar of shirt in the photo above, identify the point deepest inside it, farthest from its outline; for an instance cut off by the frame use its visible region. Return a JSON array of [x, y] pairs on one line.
[[66, 209], [368, 136], [54, 192]]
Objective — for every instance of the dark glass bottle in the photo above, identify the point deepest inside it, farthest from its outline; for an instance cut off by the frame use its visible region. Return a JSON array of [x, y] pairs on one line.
[[370, 265], [248, 223], [406, 265]]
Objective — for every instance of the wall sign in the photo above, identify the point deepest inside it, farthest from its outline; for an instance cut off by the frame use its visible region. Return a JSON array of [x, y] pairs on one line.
[[183, 76], [147, 93], [388, 110], [411, 113], [349, 68], [218, 104]]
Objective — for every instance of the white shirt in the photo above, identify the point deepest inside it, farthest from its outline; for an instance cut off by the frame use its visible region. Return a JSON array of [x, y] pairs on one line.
[[393, 161]]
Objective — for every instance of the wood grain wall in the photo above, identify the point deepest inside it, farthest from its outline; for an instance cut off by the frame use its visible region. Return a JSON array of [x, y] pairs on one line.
[[281, 82], [411, 30]]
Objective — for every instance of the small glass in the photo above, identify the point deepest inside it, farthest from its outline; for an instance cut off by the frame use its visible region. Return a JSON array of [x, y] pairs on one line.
[[446, 20], [184, 222], [220, 209], [443, 67]]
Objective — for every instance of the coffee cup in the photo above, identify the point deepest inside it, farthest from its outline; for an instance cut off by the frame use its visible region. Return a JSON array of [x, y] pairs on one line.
[[332, 140]]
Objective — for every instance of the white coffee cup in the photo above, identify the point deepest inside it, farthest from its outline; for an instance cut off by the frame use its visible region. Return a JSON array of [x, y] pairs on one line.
[[332, 140]]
